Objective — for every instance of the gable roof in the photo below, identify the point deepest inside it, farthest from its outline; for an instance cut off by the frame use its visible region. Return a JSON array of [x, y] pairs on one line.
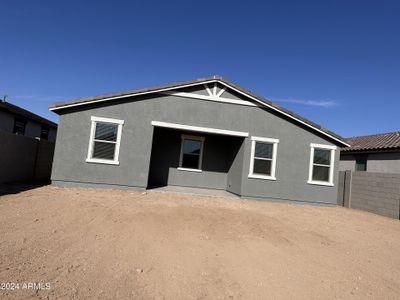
[[213, 79], [16, 110], [382, 141]]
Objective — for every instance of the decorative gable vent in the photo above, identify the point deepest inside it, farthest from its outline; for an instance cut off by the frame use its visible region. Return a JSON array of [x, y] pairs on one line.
[[211, 92]]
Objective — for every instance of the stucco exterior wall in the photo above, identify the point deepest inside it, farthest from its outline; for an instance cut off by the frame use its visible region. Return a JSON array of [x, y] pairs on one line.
[[380, 162], [6, 121], [347, 162], [218, 155], [32, 129], [384, 162], [292, 157]]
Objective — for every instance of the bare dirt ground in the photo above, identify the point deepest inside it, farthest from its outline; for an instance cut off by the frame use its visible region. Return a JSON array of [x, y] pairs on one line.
[[110, 244]]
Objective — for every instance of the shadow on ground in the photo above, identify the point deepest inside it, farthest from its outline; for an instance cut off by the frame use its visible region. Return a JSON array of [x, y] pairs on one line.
[[18, 187]]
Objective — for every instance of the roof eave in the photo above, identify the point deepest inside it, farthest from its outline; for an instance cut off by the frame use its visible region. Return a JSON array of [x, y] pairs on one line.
[[102, 98]]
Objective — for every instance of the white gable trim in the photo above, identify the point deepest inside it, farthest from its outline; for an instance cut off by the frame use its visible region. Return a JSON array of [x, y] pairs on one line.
[[262, 103], [129, 95], [286, 114], [199, 129], [210, 98]]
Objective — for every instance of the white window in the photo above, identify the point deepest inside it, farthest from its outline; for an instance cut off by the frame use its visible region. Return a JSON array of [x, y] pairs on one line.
[[322, 159], [105, 139], [191, 153], [263, 158]]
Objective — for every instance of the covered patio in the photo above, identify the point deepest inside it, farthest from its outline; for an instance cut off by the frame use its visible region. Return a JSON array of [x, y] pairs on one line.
[[196, 157]]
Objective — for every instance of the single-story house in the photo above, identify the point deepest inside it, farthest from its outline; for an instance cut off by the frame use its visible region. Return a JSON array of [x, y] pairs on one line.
[[205, 133], [372, 153], [19, 121]]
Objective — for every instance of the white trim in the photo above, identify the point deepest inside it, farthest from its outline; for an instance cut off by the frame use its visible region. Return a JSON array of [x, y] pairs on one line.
[[221, 91], [101, 161], [332, 150], [189, 170], [321, 146], [263, 103], [263, 139], [259, 176], [107, 120], [130, 95], [274, 143], [94, 120], [208, 89], [199, 129], [286, 114], [315, 182], [210, 98], [195, 138], [215, 89]]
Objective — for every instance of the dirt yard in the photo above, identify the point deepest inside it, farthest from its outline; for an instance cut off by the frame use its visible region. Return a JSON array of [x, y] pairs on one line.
[[109, 244]]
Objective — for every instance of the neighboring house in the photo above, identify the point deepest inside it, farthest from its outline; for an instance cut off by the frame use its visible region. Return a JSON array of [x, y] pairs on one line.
[[372, 153], [26, 145], [14, 119], [205, 133]]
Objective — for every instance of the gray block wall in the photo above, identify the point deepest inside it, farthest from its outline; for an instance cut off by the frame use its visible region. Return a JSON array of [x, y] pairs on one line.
[[374, 192], [23, 158]]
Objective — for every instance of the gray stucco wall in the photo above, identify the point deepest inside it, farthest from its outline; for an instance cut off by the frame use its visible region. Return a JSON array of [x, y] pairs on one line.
[[384, 162], [381, 162], [347, 162], [234, 178], [292, 157]]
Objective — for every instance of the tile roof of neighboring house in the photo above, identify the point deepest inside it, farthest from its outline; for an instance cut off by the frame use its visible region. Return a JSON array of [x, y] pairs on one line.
[[382, 141], [211, 79], [25, 113]]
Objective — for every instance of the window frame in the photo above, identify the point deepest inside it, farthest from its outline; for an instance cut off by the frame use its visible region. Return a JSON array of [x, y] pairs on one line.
[[18, 119], [331, 164], [274, 142], [195, 138], [94, 120]]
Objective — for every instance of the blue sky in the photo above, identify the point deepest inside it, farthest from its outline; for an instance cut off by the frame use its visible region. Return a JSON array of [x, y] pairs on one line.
[[336, 63]]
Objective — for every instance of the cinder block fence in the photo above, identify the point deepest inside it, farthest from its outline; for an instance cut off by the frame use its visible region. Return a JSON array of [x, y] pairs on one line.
[[374, 192], [24, 158]]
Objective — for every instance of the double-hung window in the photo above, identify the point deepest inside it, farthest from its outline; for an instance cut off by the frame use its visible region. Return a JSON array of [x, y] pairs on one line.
[[263, 158], [321, 164], [105, 139], [191, 153]]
